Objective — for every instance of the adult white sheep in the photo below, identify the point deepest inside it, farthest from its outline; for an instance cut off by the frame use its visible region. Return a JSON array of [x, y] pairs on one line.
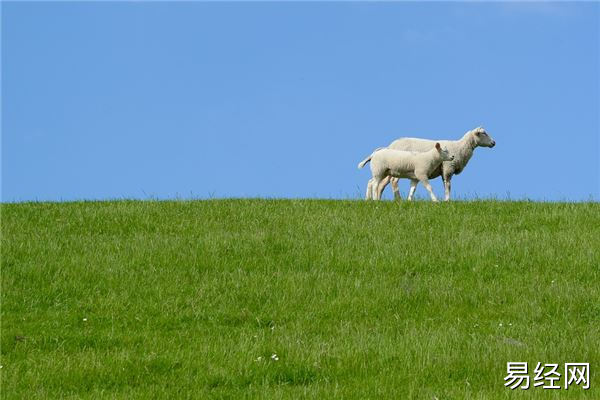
[[404, 164], [462, 150]]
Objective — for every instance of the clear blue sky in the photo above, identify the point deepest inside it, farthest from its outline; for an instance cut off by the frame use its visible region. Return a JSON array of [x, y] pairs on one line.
[[163, 100]]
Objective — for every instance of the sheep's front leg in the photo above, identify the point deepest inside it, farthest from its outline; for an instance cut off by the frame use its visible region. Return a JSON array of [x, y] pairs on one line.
[[447, 188], [413, 187], [425, 183], [395, 189]]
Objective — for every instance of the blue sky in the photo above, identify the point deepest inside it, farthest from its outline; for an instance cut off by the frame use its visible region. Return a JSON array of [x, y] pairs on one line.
[[198, 100]]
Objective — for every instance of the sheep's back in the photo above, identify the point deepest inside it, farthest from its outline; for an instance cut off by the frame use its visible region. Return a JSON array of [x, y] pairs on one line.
[[398, 162], [422, 145], [412, 144]]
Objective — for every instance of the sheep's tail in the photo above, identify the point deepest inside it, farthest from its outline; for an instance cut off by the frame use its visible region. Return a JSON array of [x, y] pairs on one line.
[[366, 160]]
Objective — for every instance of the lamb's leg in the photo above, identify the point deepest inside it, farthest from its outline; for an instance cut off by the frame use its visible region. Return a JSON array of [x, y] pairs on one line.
[[447, 188], [375, 190], [413, 187], [425, 183], [383, 183], [395, 189], [369, 194]]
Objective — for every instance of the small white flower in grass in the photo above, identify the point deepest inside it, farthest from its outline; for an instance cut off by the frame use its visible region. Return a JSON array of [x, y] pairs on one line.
[[510, 324], [85, 320], [500, 324], [259, 358], [275, 357], [1, 366]]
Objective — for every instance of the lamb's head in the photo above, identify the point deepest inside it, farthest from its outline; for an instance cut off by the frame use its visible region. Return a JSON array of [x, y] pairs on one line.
[[481, 138], [444, 153]]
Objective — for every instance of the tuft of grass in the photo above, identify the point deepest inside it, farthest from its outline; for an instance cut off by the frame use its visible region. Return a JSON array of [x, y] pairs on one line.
[[192, 299]]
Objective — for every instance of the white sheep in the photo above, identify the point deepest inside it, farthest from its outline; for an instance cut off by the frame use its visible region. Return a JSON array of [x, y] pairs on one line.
[[404, 164], [461, 149]]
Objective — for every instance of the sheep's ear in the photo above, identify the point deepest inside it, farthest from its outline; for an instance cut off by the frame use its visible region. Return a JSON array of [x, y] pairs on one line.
[[477, 132], [438, 147]]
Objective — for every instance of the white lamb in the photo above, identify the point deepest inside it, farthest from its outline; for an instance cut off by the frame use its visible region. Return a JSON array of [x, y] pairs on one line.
[[404, 164], [461, 149]]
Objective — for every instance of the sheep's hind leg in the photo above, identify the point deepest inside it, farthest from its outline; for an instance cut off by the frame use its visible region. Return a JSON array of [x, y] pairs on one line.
[[382, 184], [413, 187], [375, 190], [425, 183], [395, 189], [369, 194]]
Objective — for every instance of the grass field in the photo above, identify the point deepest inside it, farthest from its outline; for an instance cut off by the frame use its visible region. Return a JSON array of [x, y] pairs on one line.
[[356, 299]]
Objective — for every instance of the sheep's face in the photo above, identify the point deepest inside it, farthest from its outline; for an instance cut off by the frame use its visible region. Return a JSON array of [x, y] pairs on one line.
[[482, 138], [444, 153]]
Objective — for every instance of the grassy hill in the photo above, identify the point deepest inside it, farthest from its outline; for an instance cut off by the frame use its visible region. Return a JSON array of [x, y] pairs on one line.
[[295, 298]]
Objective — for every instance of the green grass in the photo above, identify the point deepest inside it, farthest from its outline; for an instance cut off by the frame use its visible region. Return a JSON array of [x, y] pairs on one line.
[[357, 299]]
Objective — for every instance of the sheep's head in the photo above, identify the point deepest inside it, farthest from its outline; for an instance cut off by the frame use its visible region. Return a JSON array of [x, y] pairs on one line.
[[481, 138], [444, 153]]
